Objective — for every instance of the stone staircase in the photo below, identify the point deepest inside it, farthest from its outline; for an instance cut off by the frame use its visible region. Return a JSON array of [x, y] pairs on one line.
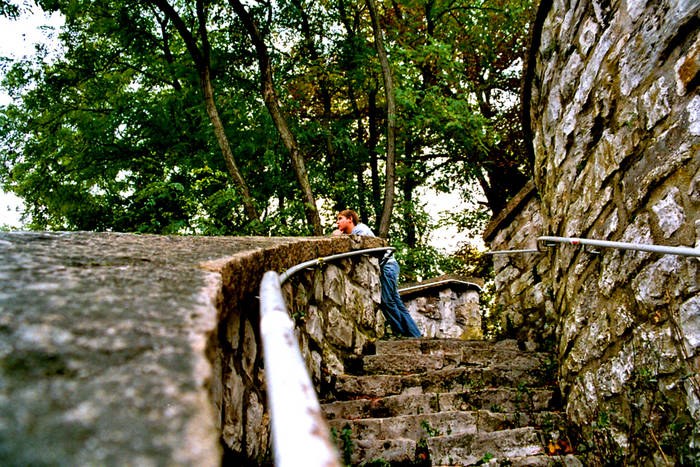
[[448, 402]]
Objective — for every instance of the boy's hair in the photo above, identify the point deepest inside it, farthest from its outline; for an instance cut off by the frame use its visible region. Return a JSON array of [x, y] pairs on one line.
[[350, 214]]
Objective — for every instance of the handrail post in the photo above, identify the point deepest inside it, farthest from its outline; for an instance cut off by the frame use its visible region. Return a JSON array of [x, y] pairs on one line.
[[300, 435]]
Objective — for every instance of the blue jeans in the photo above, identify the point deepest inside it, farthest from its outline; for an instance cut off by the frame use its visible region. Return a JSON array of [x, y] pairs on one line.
[[392, 306]]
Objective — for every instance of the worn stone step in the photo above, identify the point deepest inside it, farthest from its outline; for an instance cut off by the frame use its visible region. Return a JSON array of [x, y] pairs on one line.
[[495, 399], [414, 426], [568, 460], [516, 447], [470, 448], [393, 451], [399, 363], [396, 364], [446, 380], [427, 346], [423, 426], [507, 358]]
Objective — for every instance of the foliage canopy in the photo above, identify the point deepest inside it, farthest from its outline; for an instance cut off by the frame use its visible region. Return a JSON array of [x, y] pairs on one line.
[[116, 133]]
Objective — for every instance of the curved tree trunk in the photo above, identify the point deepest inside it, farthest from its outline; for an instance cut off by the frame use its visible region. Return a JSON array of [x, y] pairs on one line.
[[390, 123], [324, 93], [372, 149], [272, 104], [201, 61], [222, 139]]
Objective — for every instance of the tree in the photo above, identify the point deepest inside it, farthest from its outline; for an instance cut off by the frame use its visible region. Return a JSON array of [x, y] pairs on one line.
[[390, 125], [458, 93], [113, 136], [272, 103], [201, 59]]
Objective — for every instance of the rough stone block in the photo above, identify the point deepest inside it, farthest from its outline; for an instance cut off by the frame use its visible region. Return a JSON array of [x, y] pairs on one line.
[[340, 330], [250, 350], [255, 428], [693, 113], [666, 279], [670, 215], [618, 265], [233, 420], [687, 68], [314, 325], [656, 102], [333, 284]]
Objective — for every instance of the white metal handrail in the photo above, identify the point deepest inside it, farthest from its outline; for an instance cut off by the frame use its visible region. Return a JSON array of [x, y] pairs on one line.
[[663, 249], [300, 435], [549, 241]]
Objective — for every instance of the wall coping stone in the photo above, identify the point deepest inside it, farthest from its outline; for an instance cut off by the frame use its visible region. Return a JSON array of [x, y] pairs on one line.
[[105, 340]]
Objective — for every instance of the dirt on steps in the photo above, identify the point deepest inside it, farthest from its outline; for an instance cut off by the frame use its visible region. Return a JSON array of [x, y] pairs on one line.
[[448, 402]]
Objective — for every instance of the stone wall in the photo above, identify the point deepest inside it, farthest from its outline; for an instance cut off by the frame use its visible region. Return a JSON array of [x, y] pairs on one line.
[[239, 394], [336, 311], [445, 307], [612, 106], [145, 350], [524, 299]]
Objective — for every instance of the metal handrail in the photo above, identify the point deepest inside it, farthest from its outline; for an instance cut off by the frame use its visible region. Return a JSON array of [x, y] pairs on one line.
[[307, 264], [300, 435], [662, 249], [667, 250]]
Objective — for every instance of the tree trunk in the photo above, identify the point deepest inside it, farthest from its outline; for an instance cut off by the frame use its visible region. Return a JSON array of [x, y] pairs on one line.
[[390, 123], [222, 139], [201, 62], [324, 93], [372, 149], [273, 107], [166, 50]]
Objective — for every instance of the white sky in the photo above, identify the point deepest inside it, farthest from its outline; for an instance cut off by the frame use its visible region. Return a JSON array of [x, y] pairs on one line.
[[17, 39]]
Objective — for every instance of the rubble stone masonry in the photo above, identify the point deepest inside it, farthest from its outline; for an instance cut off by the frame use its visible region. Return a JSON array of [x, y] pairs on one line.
[[613, 112]]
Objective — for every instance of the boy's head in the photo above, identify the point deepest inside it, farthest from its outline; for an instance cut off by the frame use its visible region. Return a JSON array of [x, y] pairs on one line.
[[347, 220]]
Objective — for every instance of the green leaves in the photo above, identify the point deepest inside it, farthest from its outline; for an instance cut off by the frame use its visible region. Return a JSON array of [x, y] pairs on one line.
[[113, 134]]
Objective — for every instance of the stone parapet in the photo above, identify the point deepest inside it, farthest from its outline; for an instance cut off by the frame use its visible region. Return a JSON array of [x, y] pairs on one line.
[[137, 349], [336, 311]]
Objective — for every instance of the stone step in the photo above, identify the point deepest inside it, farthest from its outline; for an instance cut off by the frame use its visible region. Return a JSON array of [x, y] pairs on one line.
[[495, 399], [393, 451], [446, 402], [470, 448], [568, 460], [427, 346], [400, 363], [515, 447], [445, 380], [414, 426], [397, 364], [446, 423]]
